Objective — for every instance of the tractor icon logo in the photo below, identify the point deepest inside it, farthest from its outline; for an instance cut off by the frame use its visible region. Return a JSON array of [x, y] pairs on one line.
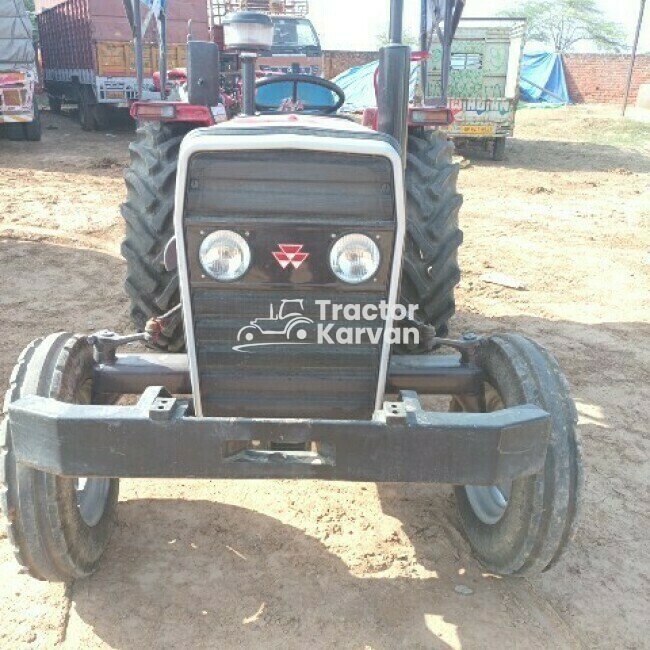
[[286, 326]]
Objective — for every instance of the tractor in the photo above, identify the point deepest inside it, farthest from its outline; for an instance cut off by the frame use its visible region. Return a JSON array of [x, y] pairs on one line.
[[295, 206]]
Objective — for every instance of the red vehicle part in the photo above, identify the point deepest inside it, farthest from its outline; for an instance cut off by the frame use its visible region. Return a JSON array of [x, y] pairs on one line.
[[172, 112], [177, 75], [427, 116]]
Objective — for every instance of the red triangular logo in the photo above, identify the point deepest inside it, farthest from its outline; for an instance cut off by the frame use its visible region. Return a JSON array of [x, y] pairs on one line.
[[290, 254]]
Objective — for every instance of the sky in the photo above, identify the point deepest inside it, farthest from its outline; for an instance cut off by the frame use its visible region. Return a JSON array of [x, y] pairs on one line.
[[357, 24]]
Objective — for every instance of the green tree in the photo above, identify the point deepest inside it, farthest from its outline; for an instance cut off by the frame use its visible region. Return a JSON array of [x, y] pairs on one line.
[[564, 23]]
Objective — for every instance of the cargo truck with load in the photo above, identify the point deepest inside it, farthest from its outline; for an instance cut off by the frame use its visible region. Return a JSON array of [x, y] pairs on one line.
[[88, 56], [19, 118]]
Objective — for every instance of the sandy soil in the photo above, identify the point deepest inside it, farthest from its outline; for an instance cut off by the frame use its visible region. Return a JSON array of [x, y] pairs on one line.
[[282, 564]]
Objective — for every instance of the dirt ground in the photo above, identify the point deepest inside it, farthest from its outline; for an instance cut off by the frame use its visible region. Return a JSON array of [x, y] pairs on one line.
[[280, 564]]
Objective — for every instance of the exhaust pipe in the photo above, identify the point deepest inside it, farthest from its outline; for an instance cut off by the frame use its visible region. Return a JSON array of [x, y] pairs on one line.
[[393, 86]]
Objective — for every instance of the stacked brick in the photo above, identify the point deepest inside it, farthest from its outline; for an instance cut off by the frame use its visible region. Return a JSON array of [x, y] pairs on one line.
[[600, 78]]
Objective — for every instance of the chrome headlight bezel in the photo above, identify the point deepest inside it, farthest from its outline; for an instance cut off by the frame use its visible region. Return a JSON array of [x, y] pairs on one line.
[[350, 241], [225, 238]]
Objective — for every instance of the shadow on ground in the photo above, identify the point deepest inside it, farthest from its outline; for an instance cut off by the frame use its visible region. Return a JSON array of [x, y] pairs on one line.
[[559, 156], [201, 574]]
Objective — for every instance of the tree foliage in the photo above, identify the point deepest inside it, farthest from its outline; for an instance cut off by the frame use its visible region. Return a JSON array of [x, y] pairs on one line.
[[565, 23]]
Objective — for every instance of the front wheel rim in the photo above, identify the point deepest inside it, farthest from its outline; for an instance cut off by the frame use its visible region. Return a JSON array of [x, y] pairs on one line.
[[488, 503], [92, 497]]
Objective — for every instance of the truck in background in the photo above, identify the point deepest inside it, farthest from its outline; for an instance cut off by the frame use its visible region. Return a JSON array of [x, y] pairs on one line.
[[296, 46], [88, 58], [484, 79], [19, 117]]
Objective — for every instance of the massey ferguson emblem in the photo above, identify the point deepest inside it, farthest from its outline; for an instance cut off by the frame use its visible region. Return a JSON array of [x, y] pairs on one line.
[[290, 254]]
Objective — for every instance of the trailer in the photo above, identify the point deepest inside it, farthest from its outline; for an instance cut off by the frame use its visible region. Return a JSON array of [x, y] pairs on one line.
[[484, 79], [19, 118], [88, 57]]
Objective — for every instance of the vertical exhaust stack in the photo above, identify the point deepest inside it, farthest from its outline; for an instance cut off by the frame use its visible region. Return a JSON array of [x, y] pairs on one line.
[[248, 60], [394, 74]]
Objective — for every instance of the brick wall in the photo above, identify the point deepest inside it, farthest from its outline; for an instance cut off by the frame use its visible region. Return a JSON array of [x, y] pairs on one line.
[[337, 61], [600, 78]]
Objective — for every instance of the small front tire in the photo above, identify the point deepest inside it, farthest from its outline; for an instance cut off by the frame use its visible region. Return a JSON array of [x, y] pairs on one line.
[[522, 529], [59, 527]]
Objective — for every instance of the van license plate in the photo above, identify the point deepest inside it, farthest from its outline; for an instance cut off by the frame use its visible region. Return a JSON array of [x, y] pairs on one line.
[[477, 129]]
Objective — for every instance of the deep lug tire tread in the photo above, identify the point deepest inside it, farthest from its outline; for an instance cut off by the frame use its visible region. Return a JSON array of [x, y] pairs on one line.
[[430, 270], [149, 213]]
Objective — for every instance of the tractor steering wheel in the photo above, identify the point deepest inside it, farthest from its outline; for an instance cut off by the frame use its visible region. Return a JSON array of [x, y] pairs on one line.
[[294, 103]]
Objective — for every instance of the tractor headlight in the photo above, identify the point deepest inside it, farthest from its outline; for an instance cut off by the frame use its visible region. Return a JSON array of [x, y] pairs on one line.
[[225, 255], [355, 258]]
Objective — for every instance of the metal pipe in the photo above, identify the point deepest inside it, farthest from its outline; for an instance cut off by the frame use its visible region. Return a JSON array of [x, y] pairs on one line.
[[396, 31], [433, 375], [393, 93], [137, 45], [424, 42], [248, 82], [630, 72], [162, 36], [132, 374], [448, 35]]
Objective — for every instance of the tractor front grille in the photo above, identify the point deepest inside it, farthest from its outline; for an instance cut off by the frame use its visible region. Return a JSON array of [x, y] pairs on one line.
[[282, 380], [277, 198]]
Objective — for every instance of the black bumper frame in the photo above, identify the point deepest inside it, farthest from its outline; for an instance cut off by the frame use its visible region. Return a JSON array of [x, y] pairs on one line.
[[158, 438]]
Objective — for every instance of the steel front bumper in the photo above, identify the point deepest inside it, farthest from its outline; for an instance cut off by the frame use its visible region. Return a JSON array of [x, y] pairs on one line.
[[157, 439]]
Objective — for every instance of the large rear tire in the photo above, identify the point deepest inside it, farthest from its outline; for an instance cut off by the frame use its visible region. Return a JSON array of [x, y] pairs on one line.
[[59, 527], [431, 272], [522, 528], [149, 216]]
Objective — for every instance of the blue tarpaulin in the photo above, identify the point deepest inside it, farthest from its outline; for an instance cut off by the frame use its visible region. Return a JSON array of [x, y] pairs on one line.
[[359, 86], [542, 79]]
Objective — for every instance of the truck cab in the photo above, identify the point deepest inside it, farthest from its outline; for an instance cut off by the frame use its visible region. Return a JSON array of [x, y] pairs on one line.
[[296, 47], [295, 44], [19, 118]]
